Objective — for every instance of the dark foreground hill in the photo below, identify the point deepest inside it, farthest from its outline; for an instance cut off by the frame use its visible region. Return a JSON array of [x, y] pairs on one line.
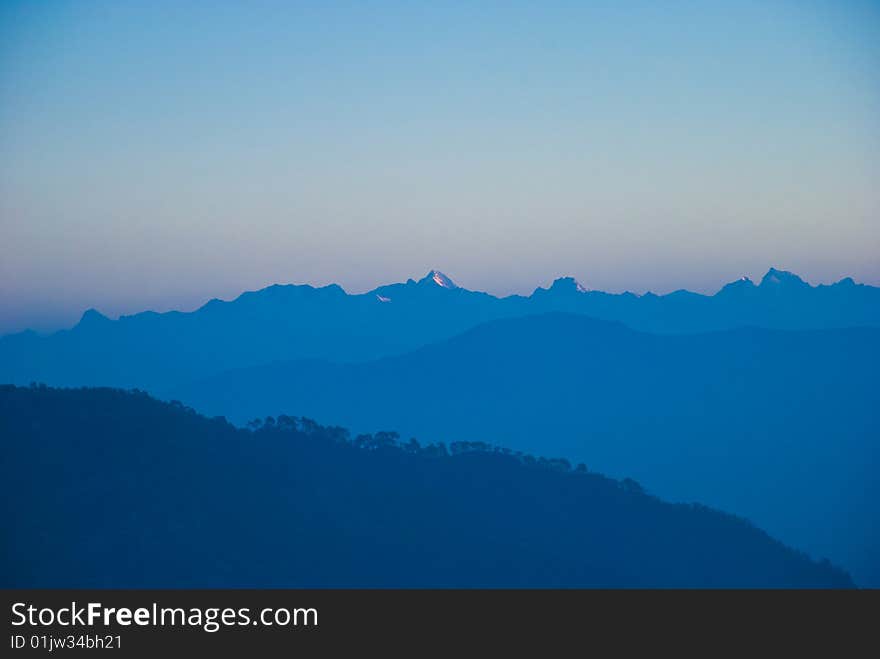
[[779, 427], [106, 488]]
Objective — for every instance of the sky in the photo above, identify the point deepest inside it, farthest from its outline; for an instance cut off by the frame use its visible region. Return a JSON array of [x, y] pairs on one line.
[[154, 155]]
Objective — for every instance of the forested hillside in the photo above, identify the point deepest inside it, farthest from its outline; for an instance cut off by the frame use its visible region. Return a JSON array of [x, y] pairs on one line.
[[107, 488]]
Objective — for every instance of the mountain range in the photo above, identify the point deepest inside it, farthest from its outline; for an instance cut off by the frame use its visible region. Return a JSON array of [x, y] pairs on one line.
[[761, 399], [302, 322]]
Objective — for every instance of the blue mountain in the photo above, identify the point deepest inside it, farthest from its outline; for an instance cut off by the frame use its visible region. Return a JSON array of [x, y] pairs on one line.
[[288, 322], [781, 427], [115, 489]]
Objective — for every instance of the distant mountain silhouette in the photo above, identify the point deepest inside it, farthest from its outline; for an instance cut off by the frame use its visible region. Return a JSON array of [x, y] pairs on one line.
[[301, 322], [115, 489], [781, 427]]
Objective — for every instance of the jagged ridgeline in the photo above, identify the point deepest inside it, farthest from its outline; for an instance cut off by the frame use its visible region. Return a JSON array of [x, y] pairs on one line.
[[158, 350], [116, 489]]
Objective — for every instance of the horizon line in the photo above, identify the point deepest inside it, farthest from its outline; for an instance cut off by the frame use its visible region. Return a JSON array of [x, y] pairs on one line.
[[429, 275]]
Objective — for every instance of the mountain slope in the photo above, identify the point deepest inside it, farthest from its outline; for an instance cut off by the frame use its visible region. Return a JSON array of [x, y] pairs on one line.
[[116, 489], [152, 350], [780, 427]]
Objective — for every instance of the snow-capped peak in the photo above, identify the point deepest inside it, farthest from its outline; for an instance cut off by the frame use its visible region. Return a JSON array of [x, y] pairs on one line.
[[776, 277], [739, 286], [440, 279], [568, 283]]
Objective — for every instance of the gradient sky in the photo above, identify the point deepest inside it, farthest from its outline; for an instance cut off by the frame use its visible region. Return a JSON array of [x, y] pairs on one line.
[[157, 154]]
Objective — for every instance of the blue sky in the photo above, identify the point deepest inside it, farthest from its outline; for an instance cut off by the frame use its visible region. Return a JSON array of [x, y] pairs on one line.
[[154, 155]]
